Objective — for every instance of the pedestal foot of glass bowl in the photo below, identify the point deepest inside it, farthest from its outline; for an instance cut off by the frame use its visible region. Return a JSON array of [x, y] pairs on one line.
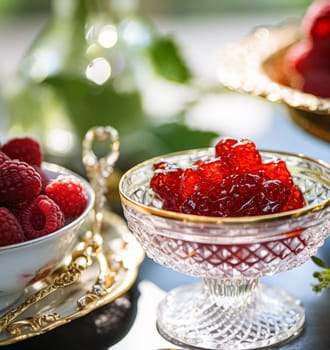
[[252, 316]]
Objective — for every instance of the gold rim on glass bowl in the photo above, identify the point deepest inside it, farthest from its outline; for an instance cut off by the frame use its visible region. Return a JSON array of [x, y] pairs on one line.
[[199, 153], [230, 255]]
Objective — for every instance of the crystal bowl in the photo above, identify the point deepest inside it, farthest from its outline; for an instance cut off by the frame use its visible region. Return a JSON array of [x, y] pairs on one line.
[[230, 309], [25, 263]]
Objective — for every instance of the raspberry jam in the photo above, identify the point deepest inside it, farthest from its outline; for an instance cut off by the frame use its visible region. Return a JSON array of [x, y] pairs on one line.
[[233, 183]]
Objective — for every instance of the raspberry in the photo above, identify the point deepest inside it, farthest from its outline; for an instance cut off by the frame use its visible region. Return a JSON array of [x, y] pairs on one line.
[[321, 28], [25, 149], [19, 182], [43, 177], [69, 194], [317, 82], [10, 230], [41, 217], [316, 22], [304, 57], [3, 157], [306, 65], [307, 68]]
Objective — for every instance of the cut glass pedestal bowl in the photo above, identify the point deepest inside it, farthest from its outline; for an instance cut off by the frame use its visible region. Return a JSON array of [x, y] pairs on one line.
[[229, 309]]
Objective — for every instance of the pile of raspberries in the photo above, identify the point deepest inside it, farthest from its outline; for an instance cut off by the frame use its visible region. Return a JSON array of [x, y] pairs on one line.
[[31, 205]]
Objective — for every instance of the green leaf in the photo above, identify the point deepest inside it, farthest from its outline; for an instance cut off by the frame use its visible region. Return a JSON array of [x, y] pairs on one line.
[[167, 60], [319, 262]]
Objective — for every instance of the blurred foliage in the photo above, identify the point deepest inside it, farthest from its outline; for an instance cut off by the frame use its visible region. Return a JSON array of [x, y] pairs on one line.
[[10, 8], [189, 7], [176, 136], [169, 6], [167, 61], [66, 93], [53, 86], [88, 103], [323, 276]]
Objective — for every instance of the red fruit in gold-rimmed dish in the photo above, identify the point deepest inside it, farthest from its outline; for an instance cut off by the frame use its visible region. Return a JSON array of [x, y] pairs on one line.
[[288, 63], [230, 309]]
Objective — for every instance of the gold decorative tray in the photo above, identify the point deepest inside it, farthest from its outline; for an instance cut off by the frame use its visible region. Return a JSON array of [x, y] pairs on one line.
[[122, 253], [253, 66]]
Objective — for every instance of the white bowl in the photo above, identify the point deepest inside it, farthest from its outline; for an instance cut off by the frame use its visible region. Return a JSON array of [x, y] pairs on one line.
[[24, 263]]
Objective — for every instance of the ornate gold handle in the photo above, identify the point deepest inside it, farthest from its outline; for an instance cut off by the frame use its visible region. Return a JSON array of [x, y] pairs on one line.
[[98, 170]]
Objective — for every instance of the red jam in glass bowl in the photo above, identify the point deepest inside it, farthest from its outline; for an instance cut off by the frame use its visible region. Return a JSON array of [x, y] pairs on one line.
[[230, 211], [235, 182]]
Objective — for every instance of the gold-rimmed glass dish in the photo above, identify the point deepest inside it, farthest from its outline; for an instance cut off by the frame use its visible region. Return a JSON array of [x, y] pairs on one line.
[[230, 309], [255, 65]]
